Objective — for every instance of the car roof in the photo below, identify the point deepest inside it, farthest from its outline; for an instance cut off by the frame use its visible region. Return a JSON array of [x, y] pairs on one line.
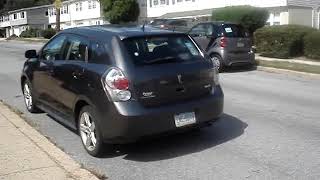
[[219, 23], [122, 31]]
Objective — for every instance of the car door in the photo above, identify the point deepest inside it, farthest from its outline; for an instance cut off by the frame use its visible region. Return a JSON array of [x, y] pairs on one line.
[[44, 84], [203, 35], [70, 74]]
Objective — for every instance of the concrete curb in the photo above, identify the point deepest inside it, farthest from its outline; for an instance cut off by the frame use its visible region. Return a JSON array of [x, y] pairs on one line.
[[288, 60], [62, 159], [271, 69]]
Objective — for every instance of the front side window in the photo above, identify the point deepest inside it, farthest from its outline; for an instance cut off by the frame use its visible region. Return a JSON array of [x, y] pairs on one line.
[[53, 50], [76, 48], [162, 49]]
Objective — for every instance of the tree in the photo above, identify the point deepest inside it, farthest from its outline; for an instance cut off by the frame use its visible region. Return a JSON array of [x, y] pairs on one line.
[[120, 11], [57, 5], [251, 18]]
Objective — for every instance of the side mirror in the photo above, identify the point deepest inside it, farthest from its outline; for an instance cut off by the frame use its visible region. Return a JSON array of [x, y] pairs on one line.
[[31, 54]]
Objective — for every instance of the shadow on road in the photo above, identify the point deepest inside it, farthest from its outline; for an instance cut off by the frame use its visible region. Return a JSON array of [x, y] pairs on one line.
[[242, 68], [224, 130]]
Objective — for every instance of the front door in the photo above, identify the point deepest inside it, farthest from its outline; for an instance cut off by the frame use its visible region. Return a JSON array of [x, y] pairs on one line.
[[44, 83]]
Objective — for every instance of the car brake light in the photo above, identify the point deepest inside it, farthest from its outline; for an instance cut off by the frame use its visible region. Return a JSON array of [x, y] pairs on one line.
[[223, 42], [117, 85]]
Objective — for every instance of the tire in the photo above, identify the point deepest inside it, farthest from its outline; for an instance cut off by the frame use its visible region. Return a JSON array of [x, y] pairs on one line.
[[29, 99], [217, 58], [89, 131]]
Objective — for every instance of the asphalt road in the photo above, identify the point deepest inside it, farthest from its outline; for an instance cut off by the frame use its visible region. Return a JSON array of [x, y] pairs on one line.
[[270, 130]]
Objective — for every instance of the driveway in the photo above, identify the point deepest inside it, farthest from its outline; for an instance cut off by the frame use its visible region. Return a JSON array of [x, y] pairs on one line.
[[270, 130]]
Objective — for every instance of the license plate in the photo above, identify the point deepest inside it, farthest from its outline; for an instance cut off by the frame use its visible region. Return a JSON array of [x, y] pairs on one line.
[[185, 119], [239, 44]]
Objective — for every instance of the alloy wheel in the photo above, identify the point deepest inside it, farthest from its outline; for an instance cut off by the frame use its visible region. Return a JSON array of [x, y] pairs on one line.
[[27, 96], [88, 131]]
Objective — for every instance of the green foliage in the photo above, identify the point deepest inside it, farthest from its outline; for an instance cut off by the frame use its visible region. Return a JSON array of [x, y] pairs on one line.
[[251, 18], [9, 5], [30, 33], [312, 45], [120, 11], [281, 41], [48, 33]]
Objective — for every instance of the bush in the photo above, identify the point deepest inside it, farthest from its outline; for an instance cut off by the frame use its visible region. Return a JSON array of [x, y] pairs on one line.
[[48, 33], [312, 45], [30, 33], [13, 36], [252, 18], [120, 11], [281, 41]]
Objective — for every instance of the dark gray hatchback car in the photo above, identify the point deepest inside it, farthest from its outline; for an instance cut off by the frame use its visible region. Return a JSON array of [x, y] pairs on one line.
[[118, 84], [226, 43]]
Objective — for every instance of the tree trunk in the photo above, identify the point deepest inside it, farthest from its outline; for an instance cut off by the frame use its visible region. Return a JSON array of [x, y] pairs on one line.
[[57, 19]]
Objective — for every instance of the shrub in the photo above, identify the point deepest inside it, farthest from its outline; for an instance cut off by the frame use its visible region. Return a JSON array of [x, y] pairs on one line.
[[312, 45], [30, 33], [48, 33], [13, 36], [281, 41], [249, 17], [120, 11]]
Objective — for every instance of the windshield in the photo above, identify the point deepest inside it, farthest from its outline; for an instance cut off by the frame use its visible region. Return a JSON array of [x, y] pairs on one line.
[[162, 49], [233, 30]]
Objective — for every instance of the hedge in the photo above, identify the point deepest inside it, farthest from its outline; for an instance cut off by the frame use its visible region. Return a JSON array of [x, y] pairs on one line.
[[30, 33], [48, 33], [312, 45], [249, 17], [284, 41]]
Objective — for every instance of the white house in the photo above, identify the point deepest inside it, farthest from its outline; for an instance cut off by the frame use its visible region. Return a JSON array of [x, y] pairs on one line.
[[303, 12], [77, 13]]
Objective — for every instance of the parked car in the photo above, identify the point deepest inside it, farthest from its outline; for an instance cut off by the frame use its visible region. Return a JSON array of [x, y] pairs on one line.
[[179, 25], [226, 43], [118, 84]]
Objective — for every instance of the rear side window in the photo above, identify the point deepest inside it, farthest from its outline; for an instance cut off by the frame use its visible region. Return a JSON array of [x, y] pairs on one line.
[[162, 49], [232, 30], [98, 54], [77, 48]]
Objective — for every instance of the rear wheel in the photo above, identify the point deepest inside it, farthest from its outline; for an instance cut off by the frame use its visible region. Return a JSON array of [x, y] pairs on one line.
[[89, 131], [28, 97], [217, 60]]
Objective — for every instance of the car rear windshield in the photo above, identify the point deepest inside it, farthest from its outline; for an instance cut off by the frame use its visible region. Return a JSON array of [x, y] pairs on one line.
[[233, 30], [162, 49]]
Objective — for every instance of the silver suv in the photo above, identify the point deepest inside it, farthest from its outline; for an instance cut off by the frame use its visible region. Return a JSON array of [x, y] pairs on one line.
[[226, 43]]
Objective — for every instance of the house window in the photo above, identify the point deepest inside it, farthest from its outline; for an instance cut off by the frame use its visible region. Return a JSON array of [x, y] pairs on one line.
[[155, 2], [80, 6], [162, 2], [89, 4], [47, 13], [1, 19], [22, 15], [94, 4], [77, 6], [179, 1], [14, 16]]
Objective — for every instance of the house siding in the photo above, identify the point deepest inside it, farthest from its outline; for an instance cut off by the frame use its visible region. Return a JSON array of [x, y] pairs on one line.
[[37, 18], [304, 3]]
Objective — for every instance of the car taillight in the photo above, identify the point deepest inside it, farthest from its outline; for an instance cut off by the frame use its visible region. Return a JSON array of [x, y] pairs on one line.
[[117, 85], [223, 42]]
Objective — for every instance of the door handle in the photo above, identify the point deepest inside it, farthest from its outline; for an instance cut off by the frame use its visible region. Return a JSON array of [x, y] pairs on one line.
[[77, 74]]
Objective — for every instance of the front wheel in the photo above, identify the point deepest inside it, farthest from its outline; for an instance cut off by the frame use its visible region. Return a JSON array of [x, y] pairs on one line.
[[89, 131], [28, 98]]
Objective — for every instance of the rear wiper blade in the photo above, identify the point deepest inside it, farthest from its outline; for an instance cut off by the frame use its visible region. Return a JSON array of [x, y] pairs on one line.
[[153, 61]]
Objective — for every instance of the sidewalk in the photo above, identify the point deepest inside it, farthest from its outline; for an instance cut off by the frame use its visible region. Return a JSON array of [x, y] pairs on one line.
[[295, 60], [26, 154]]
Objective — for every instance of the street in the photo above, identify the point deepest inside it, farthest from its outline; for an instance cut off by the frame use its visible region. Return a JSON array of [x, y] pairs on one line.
[[270, 130]]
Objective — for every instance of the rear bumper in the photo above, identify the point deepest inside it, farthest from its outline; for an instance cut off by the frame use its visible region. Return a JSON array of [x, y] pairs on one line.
[[238, 58], [129, 121]]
